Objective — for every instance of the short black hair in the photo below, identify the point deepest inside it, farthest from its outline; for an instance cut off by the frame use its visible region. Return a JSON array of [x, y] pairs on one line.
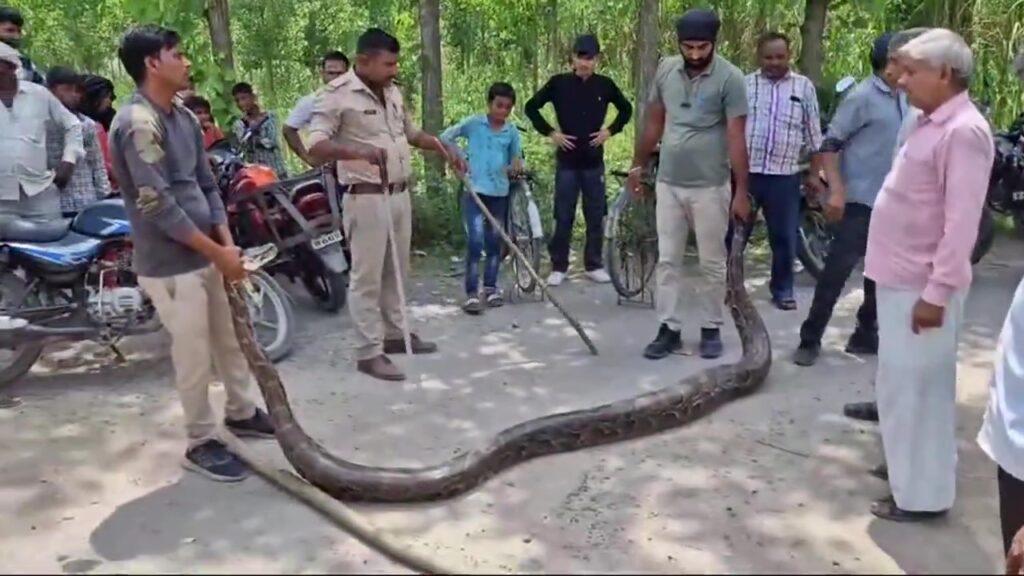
[[376, 40], [242, 88], [144, 42], [767, 37], [64, 76], [12, 15], [194, 103], [502, 89], [336, 56]]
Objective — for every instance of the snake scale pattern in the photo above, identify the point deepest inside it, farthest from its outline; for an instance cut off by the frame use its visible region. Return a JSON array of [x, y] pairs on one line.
[[687, 400]]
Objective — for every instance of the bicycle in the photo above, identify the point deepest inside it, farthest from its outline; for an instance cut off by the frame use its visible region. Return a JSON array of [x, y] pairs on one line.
[[631, 239], [523, 225]]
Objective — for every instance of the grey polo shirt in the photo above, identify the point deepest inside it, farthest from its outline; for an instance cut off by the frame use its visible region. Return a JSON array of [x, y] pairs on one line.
[[694, 151], [864, 131]]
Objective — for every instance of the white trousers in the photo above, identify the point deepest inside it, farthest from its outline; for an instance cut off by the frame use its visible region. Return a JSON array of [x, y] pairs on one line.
[[916, 391]]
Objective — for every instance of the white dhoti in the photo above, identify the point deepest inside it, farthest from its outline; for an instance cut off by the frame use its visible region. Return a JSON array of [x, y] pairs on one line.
[[916, 392]]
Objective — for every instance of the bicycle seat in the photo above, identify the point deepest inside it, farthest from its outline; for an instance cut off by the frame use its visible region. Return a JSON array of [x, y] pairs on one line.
[[21, 230]]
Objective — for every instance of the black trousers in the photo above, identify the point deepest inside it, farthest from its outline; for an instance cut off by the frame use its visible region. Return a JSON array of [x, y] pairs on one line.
[[1011, 506], [847, 249], [570, 184]]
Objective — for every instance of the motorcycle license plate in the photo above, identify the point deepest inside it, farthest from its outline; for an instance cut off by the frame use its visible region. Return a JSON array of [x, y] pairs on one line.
[[326, 240]]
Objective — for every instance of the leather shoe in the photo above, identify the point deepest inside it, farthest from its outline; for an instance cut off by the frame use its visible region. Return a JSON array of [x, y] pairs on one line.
[[382, 368], [397, 345]]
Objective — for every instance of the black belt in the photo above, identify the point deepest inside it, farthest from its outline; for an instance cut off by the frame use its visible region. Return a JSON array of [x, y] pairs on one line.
[[363, 188]]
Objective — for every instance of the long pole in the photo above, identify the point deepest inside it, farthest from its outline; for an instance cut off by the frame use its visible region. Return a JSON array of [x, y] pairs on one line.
[[500, 229]]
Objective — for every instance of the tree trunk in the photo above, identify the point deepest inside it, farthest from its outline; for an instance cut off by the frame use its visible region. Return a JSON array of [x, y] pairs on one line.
[[430, 67], [647, 42], [219, 20], [812, 35]]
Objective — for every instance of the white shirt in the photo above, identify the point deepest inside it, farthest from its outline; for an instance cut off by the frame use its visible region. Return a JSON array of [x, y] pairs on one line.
[[302, 113], [1002, 433], [23, 165]]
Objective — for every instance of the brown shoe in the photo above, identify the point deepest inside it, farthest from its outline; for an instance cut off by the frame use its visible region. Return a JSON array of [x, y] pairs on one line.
[[382, 368], [397, 346]]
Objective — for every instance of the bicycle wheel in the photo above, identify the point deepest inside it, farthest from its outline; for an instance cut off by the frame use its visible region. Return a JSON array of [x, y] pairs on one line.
[[520, 232], [631, 244]]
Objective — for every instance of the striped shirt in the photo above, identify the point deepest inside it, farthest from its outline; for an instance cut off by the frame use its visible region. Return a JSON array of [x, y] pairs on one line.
[[783, 122]]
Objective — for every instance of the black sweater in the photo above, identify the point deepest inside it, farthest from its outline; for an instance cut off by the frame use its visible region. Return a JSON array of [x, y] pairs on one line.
[[580, 107]]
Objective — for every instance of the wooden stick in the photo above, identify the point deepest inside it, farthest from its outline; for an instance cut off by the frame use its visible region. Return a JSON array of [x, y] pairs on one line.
[[341, 515], [500, 229]]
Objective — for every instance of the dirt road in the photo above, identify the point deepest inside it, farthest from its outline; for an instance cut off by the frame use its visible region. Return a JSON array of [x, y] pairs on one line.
[[776, 482]]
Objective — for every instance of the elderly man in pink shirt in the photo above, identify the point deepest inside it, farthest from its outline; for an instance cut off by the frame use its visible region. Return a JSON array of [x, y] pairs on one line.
[[920, 238]]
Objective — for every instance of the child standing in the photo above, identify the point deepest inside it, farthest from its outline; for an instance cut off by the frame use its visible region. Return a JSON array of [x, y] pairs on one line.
[[494, 152]]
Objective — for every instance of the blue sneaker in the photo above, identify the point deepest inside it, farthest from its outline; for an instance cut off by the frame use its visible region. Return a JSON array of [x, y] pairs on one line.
[[259, 426], [710, 343], [213, 460]]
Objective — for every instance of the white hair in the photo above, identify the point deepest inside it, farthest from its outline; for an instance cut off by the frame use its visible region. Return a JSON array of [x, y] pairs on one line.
[[940, 48]]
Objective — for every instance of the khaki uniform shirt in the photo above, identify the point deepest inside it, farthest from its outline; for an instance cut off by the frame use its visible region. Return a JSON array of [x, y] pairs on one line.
[[347, 112]]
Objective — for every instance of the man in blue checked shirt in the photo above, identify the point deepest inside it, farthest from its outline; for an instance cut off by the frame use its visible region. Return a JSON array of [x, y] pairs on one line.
[[494, 152], [782, 126]]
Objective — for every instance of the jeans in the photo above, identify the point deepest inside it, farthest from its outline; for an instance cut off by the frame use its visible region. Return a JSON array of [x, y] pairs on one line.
[[481, 237], [847, 249], [569, 183], [779, 198]]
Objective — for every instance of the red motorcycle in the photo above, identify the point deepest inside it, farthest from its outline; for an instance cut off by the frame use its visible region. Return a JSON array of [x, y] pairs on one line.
[[301, 216]]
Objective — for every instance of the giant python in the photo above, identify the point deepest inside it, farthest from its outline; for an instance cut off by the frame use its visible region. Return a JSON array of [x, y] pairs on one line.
[[672, 406]]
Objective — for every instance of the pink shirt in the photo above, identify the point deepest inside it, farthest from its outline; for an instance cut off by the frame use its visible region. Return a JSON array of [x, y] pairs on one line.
[[925, 220]]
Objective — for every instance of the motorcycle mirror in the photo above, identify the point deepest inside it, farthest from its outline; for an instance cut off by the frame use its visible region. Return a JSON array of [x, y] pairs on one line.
[[845, 84]]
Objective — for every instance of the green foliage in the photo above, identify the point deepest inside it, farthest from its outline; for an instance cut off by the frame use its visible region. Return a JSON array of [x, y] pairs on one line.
[[277, 44]]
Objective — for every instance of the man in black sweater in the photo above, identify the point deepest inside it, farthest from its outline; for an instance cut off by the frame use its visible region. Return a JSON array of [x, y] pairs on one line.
[[581, 100]]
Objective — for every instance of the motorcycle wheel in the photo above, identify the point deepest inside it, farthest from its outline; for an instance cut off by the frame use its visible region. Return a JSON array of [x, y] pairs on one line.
[[328, 289], [813, 242], [16, 362], [272, 316], [986, 235]]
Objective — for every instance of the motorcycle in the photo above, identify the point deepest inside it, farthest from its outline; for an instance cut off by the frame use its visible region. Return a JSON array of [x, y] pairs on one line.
[[72, 281], [301, 216], [1006, 185]]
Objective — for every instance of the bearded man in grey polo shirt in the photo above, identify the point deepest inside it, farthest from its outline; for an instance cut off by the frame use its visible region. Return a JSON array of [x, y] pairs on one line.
[[698, 110]]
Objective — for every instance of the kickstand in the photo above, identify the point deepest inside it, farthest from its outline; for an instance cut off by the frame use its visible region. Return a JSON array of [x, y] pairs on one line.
[[118, 356]]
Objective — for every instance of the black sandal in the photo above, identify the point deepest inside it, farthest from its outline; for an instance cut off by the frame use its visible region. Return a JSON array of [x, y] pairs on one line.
[[784, 303], [886, 509], [866, 411]]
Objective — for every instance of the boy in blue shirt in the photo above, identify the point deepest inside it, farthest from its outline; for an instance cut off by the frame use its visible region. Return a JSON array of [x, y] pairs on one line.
[[494, 152]]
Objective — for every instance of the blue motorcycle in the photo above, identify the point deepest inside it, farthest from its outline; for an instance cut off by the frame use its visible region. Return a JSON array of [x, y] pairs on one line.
[[72, 280]]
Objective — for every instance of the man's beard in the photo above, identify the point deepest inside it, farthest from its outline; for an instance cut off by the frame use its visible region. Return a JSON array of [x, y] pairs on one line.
[[698, 64], [12, 42]]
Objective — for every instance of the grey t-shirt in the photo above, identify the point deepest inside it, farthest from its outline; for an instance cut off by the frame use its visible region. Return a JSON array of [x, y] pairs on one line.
[[168, 188], [694, 149], [865, 129]]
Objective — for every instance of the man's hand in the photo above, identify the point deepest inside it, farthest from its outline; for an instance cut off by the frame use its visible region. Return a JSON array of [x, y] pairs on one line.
[[1015, 559], [516, 169], [835, 206], [633, 184], [600, 137], [562, 141], [816, 189], [741, 207], [375, 156], [229, 262], [926, 316], [62, 175]]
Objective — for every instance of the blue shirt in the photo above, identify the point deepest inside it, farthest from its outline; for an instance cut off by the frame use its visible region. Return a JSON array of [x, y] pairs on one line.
[[490, 152], [864, 130]]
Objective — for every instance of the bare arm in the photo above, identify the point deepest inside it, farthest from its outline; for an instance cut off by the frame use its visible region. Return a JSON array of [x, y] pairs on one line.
[[294, 141], [653, 128], [735, 134]]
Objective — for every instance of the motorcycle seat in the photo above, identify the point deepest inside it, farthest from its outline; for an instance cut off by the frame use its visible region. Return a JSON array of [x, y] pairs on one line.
[[21, 230]]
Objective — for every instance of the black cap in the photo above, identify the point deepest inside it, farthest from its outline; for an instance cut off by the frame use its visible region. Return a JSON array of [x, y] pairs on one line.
[[698, 25], [586, 45]]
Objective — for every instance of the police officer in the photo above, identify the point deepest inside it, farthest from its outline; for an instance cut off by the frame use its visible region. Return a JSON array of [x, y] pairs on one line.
[[360, 122]]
